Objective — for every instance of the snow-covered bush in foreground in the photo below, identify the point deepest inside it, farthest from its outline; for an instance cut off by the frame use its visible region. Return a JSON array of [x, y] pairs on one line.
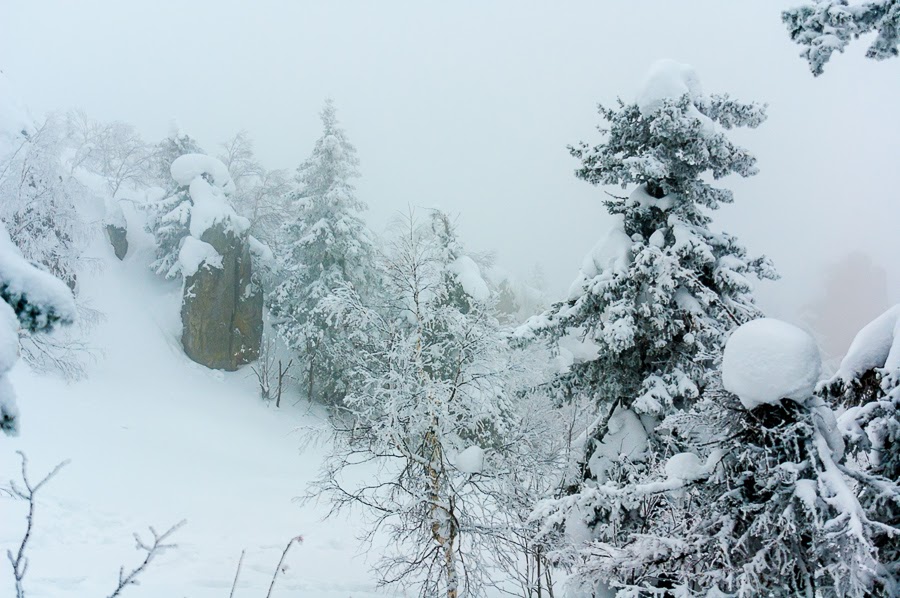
[[34, 301], [826, 26], [761, 502], [653, 300]]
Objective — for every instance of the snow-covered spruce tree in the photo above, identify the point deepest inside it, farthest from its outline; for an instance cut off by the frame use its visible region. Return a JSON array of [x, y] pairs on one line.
[[826, 26], [430, 405], [867, 386], [655, 299], [761, 502], [326, 246], [32, 300]]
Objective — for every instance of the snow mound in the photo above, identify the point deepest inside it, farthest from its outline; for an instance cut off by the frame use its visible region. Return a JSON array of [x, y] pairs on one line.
[[610, 256], [626, 438], [188, 167], [684, 466], [194, 253], [877, 345], [469, 276], [767, 360], [210, 208], [260, 250], [471, 460], [666, 80]]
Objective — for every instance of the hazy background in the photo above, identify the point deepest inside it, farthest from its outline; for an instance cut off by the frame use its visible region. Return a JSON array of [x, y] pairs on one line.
[[470, 106]]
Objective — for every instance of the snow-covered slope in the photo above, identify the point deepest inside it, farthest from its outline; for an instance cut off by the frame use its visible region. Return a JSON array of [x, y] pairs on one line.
[[153, 439]]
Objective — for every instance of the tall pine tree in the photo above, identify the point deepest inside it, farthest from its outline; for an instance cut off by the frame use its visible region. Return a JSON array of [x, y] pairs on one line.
[[327, 247]]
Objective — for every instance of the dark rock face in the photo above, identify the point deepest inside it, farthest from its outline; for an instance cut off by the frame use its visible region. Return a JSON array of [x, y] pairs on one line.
[[221, 309], [118, 239]]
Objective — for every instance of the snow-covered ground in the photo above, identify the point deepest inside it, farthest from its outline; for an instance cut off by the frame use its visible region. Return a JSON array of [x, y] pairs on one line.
[[153, 439]]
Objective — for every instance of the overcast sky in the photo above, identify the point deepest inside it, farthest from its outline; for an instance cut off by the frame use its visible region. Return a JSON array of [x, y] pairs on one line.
[[470, 106]]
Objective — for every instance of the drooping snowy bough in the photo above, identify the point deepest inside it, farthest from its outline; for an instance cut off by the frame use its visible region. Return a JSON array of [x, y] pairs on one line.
[[33, 300], [764, 501], [867, 386], [828, 26]]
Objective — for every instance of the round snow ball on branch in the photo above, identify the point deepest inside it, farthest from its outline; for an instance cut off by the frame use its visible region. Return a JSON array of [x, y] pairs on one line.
[[471, 460], [768, 360]]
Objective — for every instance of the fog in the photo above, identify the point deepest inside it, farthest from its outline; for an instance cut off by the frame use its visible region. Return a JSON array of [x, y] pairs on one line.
[[470, 106]]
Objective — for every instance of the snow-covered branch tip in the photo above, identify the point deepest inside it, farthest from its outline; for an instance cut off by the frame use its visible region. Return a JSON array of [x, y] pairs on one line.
[[152, 549], [281, 568], [19, 561]]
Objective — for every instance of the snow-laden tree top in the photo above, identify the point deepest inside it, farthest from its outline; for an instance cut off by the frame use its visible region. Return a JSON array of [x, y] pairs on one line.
[[826, 26], [657, 295], [768, 360], [670, 136]]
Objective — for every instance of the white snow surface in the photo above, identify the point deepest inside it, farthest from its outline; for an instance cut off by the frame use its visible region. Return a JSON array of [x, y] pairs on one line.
[[469, 276], [154, 438], [767, 360], [877, 345], [470, 460], [668, 79], [194, 253]]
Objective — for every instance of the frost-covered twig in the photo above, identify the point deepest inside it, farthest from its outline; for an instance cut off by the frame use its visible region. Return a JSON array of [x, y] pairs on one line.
[[237, 574], [156, 547], [19, 562], [278, 569]]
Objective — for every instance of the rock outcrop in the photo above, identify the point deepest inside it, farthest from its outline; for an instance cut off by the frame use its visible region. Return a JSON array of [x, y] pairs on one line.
[[118, 238], [222, 304]]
